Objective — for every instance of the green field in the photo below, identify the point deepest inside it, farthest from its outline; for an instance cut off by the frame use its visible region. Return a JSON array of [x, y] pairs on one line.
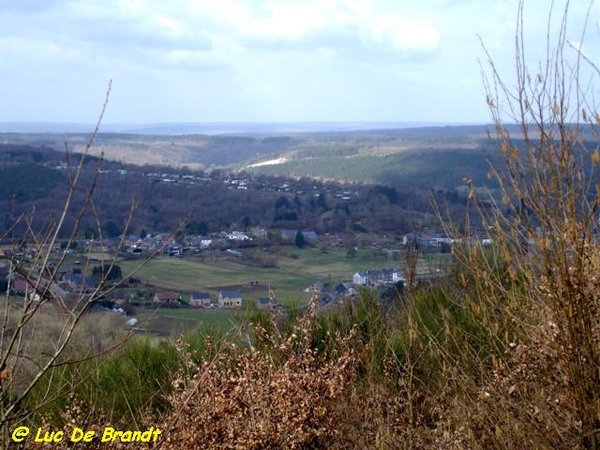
[[296, 270], [173, 322], [187, 275]]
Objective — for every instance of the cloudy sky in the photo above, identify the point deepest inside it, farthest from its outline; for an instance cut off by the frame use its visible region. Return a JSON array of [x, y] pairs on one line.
[[260, 61]]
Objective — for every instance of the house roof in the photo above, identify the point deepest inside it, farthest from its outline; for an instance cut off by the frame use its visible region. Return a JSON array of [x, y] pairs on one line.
[[288, 234], [19, 285], [379, 272], [80, 279], [309, 235], [336, 295], [166, 295], [230, 294], [200, 296]]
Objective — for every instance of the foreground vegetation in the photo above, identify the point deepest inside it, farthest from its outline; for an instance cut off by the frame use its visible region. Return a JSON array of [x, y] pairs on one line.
[[470, 362]]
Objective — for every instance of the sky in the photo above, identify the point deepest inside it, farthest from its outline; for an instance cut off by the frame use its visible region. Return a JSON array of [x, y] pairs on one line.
[[263, 61]]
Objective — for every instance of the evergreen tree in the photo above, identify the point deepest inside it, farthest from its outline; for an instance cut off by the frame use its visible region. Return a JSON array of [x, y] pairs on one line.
[[300, 241]]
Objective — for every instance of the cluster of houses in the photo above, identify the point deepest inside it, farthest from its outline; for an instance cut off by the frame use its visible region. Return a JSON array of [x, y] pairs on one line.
[[71, 279], [341, 292], [442, 240], [82, 284], [243, 182], [378, 279], [68, 277], [228, 299], [193, 244]]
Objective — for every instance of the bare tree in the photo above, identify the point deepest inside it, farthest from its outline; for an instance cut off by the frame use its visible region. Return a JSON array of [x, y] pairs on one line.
[[29, 348]]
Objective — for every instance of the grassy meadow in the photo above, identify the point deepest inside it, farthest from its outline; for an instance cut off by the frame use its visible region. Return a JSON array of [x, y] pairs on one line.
[[296, 270], [175, 322]]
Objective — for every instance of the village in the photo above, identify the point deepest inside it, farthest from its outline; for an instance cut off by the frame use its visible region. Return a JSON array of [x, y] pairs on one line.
[[350, 265]]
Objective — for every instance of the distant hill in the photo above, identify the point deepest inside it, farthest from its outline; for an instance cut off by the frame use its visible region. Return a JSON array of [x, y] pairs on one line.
[[437, 158], [426, 157]]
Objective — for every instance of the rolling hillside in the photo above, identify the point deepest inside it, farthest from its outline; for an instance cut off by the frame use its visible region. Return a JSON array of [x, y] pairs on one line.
[[426, 157]]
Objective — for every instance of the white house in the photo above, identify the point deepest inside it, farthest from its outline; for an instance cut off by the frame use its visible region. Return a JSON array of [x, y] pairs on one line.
[[378, 277], [230, 299]]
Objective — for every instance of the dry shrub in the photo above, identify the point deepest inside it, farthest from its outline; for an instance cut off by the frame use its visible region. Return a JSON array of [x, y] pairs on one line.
[[282, 396], [392, 414], [525, 402], [549, 184]]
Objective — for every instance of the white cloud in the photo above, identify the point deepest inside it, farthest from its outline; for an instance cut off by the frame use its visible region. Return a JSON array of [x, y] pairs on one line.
[[335, 24], [260, 59], [291, 20]]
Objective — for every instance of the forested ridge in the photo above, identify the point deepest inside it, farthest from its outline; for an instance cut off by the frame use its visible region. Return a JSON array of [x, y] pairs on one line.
[[216, 200]]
